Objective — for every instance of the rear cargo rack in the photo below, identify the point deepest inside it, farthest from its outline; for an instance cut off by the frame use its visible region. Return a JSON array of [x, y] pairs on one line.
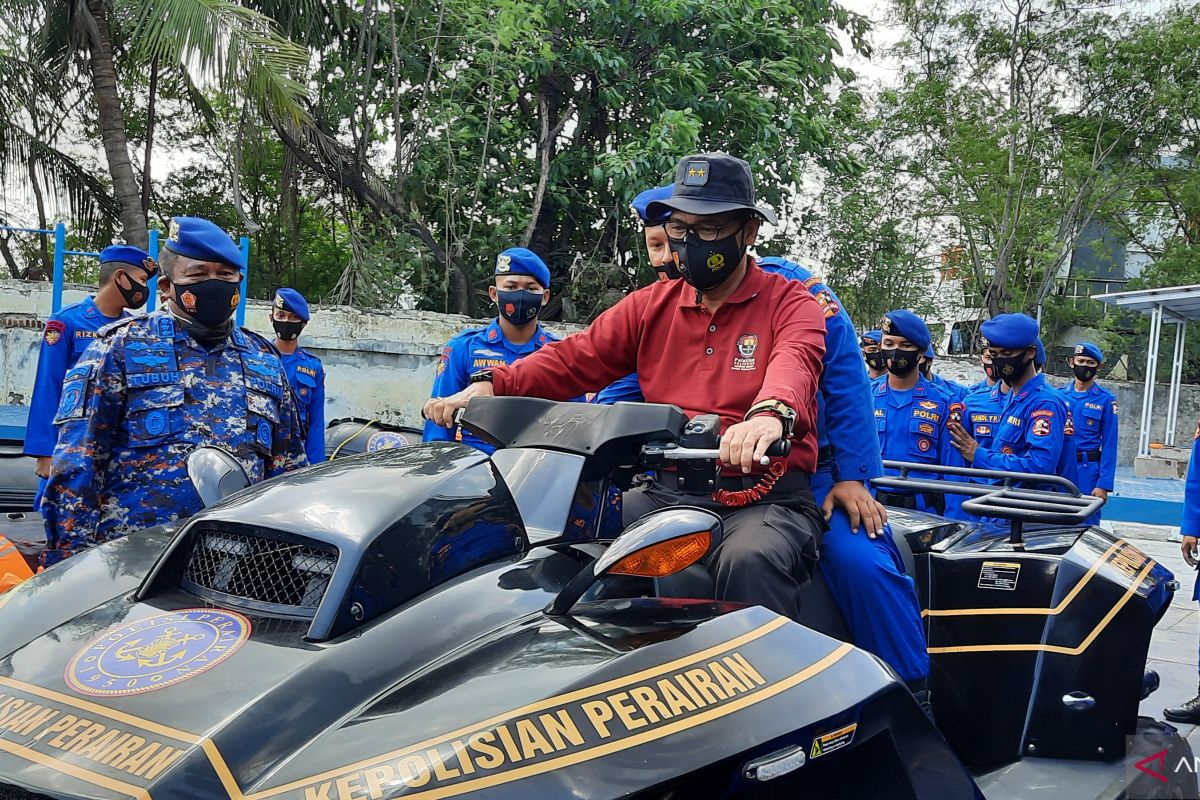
[[1001, 496]]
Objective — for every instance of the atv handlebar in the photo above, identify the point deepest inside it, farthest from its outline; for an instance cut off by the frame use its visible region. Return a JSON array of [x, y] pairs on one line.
[[654, 453]]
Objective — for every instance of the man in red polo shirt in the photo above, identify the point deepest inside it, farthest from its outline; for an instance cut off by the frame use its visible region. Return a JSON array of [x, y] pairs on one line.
[[728, 339]]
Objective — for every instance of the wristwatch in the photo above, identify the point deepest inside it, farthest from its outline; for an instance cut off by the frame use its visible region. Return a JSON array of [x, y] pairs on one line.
[[781, 410], [483, 376]]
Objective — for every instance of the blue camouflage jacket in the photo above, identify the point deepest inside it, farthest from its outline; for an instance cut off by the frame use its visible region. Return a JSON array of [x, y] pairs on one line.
[[143, 396], [306, 375], [68, 333]]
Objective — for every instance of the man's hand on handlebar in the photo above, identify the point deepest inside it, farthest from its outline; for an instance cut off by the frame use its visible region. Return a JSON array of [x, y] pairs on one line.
[[855, 499], [743, 445], [442, 409]]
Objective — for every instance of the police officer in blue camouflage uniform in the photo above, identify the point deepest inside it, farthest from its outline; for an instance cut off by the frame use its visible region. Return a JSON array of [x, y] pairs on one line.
[[1095, 421], [151, 389], [1030, 436], [289, 315], [869, 344], [910, 411], [520, 289], [125, 274]]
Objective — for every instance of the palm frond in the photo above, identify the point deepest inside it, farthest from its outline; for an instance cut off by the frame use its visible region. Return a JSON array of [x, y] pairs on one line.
[[70, 186], [229, 45]]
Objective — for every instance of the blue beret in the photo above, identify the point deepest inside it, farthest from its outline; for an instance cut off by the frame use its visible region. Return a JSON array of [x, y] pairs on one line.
[[1010, 331], [1090, 350], [909, 326], [202, 240], [520, 261], [1039, 357], [930, 353], [293, 301], [641, 203], [125, 254], [875, 336]]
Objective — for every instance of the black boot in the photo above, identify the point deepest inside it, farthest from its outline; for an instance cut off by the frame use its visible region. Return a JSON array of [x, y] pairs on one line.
[[1188, 713]]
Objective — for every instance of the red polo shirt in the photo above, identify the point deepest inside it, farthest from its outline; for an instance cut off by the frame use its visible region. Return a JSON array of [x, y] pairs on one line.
[[765, 342]]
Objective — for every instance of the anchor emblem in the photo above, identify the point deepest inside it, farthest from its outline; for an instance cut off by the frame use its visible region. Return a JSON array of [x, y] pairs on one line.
[[164, 650]]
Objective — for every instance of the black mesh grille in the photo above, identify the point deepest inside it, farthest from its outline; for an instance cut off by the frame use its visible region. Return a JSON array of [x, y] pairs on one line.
[[8, 792], [273, 574]]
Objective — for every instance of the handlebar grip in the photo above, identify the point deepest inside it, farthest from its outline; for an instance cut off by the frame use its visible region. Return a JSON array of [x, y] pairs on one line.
[[779, 448]]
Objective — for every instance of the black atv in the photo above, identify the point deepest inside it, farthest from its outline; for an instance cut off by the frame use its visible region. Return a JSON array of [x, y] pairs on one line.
[[431, 622]]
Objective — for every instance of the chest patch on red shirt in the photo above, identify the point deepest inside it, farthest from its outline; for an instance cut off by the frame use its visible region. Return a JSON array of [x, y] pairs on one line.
[[747, 346]]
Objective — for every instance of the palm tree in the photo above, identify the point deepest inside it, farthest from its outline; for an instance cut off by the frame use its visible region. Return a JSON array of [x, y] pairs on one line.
[[220, 43]]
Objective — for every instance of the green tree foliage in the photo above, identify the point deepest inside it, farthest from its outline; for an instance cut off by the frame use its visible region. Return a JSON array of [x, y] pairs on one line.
[[470, 126]]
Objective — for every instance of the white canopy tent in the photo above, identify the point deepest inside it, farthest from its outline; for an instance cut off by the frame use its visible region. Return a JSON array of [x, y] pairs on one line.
[[1175, 305]]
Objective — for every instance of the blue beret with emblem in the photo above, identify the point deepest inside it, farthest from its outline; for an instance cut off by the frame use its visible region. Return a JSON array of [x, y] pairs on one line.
[[1039, 356], [1090, 350], [126, 254], [907, 325], [291, 300], [875, 336], [194, 237], [1010, 331], [522, 261], [641, 203]]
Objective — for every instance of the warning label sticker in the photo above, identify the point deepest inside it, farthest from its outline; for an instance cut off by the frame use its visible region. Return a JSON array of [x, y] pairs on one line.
[[999, 575], [834, 740]]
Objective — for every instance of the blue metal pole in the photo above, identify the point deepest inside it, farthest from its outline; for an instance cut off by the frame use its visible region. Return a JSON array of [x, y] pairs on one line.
[[241, 309], [60, 252], [152, 301]]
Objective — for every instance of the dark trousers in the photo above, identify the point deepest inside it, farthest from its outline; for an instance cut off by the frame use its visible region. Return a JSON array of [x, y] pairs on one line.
[[768, 549]]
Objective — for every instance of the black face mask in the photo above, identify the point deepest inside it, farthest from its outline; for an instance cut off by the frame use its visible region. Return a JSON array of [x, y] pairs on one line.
[[990, 371], [875, 360], [285, 330], [1011, 369], [668, 271], [136, 295], [900, 363], [1083, 373], [519, 306], [210, 303], [706, 265]]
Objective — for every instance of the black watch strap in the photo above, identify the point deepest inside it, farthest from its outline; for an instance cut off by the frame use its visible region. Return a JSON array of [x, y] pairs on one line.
[[483, 376]]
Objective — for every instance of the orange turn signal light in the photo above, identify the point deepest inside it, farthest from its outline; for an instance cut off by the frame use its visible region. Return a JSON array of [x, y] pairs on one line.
[[665, 558]]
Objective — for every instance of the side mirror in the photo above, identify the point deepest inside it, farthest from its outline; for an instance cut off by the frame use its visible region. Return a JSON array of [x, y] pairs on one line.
[[216, 474], [659, 544]]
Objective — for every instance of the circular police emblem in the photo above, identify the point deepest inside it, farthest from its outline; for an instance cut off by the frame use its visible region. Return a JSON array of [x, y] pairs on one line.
[[70, 401], [156, 422], [923, 445], [387, 440], [155, 652], [264, 434]]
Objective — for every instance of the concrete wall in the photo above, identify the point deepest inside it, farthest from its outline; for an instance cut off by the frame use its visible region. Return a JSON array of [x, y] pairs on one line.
[[1129, 401], [380, 363]]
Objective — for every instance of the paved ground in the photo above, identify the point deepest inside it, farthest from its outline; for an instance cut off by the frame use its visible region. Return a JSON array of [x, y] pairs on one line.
[[1173, 649]]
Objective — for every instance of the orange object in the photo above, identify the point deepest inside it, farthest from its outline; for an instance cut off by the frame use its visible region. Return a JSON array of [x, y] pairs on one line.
[[666, 558], [13, 569]]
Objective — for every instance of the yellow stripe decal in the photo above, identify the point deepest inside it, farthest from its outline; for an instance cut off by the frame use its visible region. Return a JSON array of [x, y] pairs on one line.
[[66, 768], [1058, 609], [1051, 648], [541, 705], [633, 741]]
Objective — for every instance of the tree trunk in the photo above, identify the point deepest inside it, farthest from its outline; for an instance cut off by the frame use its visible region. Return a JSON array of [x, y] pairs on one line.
[[126, 191], [150, 104]]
